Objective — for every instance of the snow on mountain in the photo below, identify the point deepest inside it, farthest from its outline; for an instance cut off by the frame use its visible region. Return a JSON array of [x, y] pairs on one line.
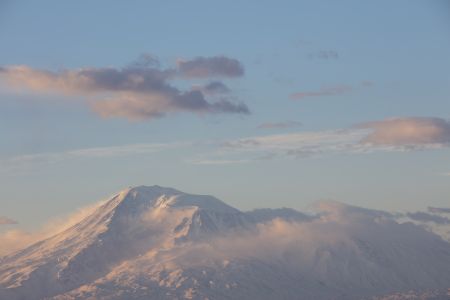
[[160, 243]]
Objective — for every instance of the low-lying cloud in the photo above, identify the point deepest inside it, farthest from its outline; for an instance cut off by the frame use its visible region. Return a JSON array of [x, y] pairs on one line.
[[336, 232], [426, 217], [439, 210], [16, 239], [139, 91]]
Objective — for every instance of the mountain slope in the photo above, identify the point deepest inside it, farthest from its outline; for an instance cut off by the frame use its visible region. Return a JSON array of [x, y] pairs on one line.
[[156, 243]]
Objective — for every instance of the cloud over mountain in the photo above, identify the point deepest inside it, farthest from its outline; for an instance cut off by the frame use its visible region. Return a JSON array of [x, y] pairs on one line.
[[439, 210]]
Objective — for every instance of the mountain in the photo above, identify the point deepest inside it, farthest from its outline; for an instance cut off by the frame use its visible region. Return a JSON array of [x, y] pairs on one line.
[[160, 243]]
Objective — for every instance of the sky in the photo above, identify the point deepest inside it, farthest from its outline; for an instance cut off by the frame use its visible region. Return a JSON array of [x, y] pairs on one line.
[[261, 104]]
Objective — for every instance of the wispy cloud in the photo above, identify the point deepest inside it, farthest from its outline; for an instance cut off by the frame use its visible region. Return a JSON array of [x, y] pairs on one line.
[[324, 54], [217, 161], [326, 91], [279, 125], [139, 91], [30, 160], [7, 221], [298, 144], [390, 135]]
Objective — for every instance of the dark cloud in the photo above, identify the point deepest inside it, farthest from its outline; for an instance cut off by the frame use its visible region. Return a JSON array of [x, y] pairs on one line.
[[7, 221], [139, 91], [216, 87], [216, 66], [279, 125], [439, 210], [155, 106], [212, 88], [409, 131], [426, 217], [224, 105]]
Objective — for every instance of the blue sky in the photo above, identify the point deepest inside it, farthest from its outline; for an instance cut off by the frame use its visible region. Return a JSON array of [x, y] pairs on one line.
[[368, 81]]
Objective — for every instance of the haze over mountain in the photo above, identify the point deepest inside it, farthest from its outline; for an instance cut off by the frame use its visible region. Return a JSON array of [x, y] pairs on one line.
[[160, 243]]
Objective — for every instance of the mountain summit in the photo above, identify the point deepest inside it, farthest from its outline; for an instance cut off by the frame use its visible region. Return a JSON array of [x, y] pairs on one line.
[[160, 243]]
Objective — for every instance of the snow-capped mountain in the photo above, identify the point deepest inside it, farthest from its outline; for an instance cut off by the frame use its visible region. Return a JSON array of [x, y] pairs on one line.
[[160, 243]]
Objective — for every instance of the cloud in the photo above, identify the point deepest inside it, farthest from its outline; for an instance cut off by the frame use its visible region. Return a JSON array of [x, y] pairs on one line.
[[433, 220], [391, 135], [324, 54], [86, 81], [439, 210], [217, 161], [140, 91], [314, 245], [279, 125], [216, 66], [142, 107], [23, 162], [411, 131], [327, 91], [297, 144], [7, 221], [213, 88], [16, 239], [426, 217]]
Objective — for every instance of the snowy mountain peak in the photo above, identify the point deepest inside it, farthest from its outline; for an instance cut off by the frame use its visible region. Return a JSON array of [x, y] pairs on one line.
[[144, 197], [152, 242]]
